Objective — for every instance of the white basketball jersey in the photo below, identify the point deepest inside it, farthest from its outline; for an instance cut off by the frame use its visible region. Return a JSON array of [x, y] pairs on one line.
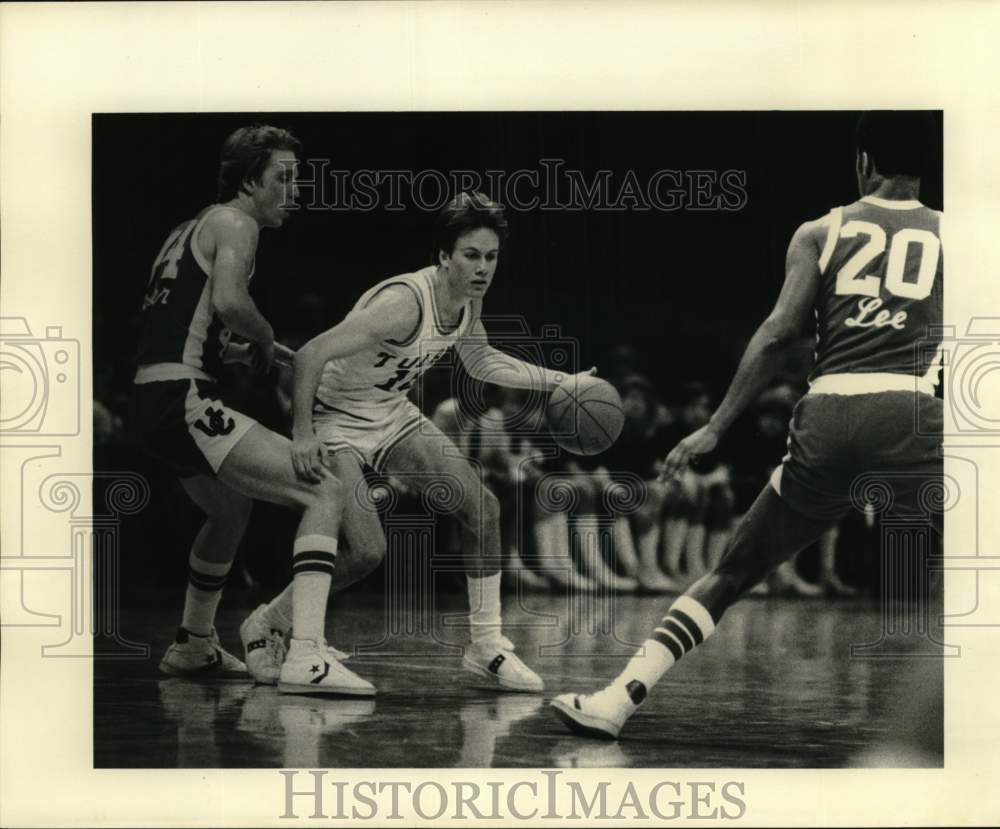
[[387, 371]]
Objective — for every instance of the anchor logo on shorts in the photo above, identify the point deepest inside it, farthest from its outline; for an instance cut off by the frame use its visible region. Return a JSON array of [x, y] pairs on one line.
[[217, 423]]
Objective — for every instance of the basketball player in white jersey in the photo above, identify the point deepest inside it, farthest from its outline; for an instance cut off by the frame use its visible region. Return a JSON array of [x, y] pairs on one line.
[[350, 401], [870, 277], [197, 297]]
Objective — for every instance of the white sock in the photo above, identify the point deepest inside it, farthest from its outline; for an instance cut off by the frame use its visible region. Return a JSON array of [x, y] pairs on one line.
[[278, 613], [484, 607], [313, 558], [686, 625], [204, 590]]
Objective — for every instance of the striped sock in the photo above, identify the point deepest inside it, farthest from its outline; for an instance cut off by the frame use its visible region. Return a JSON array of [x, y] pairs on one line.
[[686, 625], [205, 582], [313, 559]]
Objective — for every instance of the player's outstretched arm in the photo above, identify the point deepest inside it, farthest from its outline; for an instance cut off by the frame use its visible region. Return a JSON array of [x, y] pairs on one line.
[[490, 365], [393, 315], [757, 367], [235, 241]]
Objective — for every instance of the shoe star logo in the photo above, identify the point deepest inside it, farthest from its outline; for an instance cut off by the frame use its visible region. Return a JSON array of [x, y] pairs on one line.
[[322, 676], [314, 669]]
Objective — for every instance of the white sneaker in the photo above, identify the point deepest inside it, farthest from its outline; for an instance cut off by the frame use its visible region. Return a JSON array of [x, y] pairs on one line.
[[309, 668], [193, 655], [596, 715], [263, 646], [494, 659], [339, 655]]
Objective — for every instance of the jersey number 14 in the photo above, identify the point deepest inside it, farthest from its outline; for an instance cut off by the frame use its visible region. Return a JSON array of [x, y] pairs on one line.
[[165, 267]]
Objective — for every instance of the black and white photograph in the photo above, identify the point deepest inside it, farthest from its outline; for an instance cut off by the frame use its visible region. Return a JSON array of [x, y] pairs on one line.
[[484, 420], [401, 427]]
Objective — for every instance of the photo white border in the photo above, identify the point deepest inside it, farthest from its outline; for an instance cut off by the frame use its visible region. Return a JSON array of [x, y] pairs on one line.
[[59, 63]]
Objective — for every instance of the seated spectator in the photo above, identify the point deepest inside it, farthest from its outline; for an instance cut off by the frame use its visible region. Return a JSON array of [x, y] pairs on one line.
[[638, 454], [699, 507]]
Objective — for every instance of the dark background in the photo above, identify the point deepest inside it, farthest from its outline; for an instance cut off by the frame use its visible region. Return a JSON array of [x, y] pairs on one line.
[[685, 288]]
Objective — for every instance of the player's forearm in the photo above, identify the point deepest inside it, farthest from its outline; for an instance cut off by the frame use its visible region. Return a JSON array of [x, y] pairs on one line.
[[492, 366], [757, 367], [307, 371], [244, 319]]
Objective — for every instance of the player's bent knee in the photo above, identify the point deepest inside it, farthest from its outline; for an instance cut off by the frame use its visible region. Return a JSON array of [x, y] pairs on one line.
[[482, 505], [331, 488]]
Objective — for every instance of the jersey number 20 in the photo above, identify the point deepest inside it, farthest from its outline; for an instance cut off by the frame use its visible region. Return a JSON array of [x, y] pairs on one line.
[[851, 281]]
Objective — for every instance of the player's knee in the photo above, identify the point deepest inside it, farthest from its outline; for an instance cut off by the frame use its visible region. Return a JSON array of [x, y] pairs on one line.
[[482, 506], [370, 552], [330, 490], [326, 494]]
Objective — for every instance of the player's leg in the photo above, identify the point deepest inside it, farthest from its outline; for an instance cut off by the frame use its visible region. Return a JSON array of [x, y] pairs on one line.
[[771, 532], [196, 646], [260, 466], [553, 495], [361, 550], [719, 522], [428, 451]]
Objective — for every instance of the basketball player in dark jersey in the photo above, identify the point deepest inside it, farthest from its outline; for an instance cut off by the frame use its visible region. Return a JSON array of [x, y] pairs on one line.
[[196, 298], [871, 273]]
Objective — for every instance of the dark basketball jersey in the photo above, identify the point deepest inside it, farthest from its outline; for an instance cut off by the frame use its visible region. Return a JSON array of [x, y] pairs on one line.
[[179, 325], [880, 297]]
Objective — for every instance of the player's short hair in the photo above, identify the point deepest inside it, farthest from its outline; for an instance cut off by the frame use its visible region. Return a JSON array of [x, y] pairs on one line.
[[246, 153], [466, 212], [895, 140]]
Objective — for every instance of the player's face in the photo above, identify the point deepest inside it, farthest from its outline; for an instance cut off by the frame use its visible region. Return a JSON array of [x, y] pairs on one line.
[[274, 196], [472, 263]]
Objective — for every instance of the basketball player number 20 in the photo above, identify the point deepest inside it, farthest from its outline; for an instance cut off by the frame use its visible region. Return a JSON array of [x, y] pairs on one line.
[[850, 280]]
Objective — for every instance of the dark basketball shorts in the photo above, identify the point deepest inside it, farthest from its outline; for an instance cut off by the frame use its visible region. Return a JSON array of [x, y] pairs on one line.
[[849, 450], [186, 424]]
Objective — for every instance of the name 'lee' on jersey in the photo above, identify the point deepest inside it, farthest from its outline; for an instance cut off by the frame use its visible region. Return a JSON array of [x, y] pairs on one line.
[[879, 305]]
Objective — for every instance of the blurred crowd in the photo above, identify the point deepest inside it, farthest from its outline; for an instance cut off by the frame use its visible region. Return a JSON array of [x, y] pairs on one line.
[[595, 524]]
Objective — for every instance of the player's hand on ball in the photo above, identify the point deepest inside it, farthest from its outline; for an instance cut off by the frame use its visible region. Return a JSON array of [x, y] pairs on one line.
[[308, 458], [700, 442]]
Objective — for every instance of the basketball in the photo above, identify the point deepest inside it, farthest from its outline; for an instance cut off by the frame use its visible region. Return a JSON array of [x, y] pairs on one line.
[[585, 414]]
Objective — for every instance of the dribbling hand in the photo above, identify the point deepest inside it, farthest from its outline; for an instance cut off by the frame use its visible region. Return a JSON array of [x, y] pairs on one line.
[[701, 442], [308, 458]]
